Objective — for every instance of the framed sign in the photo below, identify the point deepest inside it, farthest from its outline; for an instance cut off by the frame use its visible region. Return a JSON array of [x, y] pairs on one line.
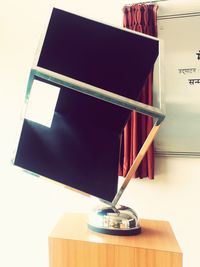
[[180, 74]]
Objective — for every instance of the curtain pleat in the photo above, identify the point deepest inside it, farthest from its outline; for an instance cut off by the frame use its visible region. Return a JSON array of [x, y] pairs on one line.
[[141, 18]]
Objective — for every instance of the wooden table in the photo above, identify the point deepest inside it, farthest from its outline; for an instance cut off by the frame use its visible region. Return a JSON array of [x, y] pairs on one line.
[[72, 244]]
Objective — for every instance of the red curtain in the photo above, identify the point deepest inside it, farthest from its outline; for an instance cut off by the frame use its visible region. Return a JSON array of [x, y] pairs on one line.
[[142, 18]]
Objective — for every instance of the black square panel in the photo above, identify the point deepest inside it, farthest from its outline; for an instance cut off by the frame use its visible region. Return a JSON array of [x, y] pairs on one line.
[[98, 54]]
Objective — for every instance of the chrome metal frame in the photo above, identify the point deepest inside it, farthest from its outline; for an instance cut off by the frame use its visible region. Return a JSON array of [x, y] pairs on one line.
[[157, 114]]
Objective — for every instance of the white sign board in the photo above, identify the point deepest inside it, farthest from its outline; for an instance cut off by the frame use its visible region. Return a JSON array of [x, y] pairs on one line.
[[180, 74]]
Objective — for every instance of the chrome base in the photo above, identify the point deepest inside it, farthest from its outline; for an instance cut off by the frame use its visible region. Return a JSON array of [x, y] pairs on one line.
[[110, 220]]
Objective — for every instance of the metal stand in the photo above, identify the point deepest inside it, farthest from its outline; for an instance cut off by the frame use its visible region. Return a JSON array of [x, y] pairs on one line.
[[122, 221]]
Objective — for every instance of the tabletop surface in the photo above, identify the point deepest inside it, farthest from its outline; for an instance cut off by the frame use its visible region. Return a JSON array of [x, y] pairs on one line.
[[155, 234]]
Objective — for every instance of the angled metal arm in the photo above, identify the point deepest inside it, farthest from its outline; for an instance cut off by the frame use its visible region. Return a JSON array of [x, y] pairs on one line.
[[136, 162]]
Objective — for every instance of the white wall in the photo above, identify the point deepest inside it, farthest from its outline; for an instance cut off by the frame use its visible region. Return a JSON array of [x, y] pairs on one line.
[[30, 206]]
